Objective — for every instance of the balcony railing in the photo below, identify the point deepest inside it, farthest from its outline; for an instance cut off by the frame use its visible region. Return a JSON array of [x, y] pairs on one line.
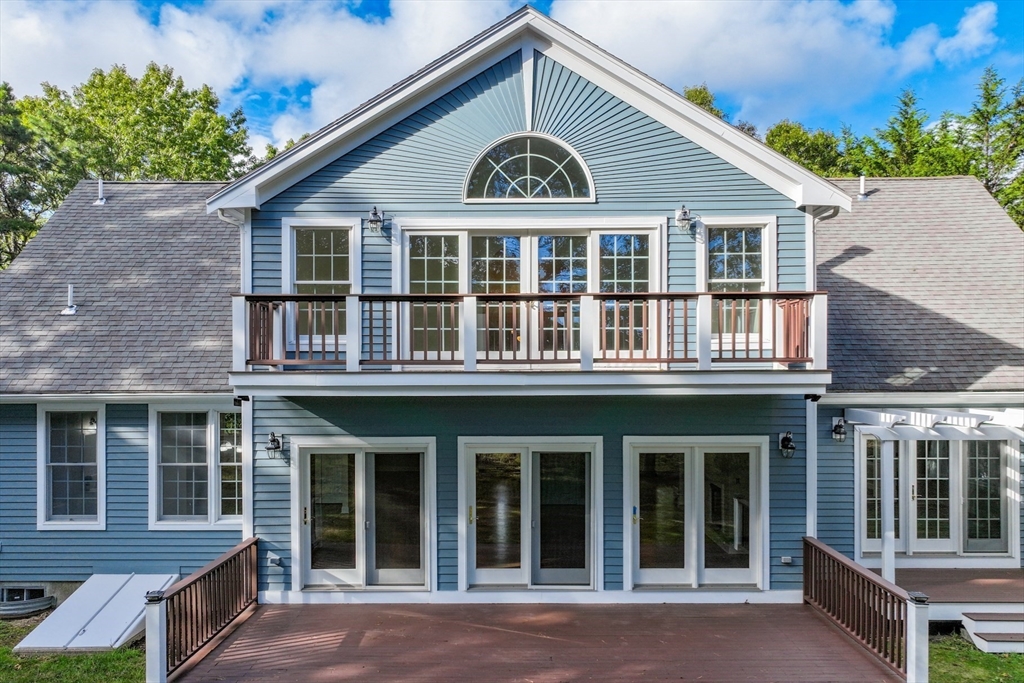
[[666, 330]]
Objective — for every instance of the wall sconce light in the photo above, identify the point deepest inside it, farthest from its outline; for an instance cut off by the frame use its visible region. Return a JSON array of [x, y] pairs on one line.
[[375, 222], [686, 218], [786, 445], [838, 429], [238, 400], [273, 445]]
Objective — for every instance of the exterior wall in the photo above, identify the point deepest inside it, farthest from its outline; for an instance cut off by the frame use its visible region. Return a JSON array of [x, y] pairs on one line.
[[126, 545], [417, 169], [449, 418], [837, 486]]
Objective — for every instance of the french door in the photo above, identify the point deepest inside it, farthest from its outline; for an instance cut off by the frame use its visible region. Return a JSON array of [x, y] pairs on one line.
[[529, 517], [694, 516], [363, 518]]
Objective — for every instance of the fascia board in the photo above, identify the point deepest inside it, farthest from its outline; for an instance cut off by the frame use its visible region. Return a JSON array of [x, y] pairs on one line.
[[334, 142]]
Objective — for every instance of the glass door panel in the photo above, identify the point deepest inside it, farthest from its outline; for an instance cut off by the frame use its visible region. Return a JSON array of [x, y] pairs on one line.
[[561, 269], [931, 498], [984, 481], [332, 522], [496, 268], [496, 519], [661, 519], [561, 519], [433, 269], [727, 518], [395, 538], [873, 495]]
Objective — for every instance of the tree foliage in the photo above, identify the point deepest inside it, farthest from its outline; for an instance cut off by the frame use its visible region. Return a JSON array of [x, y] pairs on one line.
[[818, 150], [20, 166], [702, 96]]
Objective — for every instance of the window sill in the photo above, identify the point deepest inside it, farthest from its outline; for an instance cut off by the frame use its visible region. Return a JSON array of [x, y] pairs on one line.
[[181, 525], [68, 525]]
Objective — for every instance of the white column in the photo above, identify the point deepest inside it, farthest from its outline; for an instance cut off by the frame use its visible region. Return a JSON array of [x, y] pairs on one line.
[[469, 333], [239, 334], [588, 321], [156, 637], [704, 332], [888, 512], [812, 468], [917, 638], [819, 332], [353, 333]]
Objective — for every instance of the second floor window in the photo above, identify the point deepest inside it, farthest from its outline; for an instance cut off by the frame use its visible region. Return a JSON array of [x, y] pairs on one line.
[[322, 266], [736, 264]]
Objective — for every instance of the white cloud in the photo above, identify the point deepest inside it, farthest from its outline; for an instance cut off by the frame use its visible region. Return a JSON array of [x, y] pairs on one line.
[[777, 59]]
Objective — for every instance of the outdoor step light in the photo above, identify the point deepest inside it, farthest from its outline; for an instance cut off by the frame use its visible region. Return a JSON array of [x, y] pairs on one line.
[[838, 429], [786, 445]]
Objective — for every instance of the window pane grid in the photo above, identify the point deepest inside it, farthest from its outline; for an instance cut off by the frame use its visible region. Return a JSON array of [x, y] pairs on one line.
[[496, 270], [933, 501], [434, 269], [72, 474], [984, 490], [873, 495], [230, 464], [561, 269], [184, 485], [525, 168], [735, 264], [322, 266], [624, 262]]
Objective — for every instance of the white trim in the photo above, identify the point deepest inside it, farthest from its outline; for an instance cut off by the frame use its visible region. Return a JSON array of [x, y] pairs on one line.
[[592, 199], [601, 68], [301, 447], [106, 398], [246, 272], [457, 223], [926, 398], [761, 568], [248, 459], [530, 444], [353, 223], [811, 430], [42, 460], [213, 518], [769, 246], [520, 383], [810, 266], [551, 597], [527, 47]]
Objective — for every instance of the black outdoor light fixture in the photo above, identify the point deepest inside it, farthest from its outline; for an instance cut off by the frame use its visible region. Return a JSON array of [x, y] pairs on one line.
[[376, 221], [786, 445], [838, 429], [685, 218], [273, 445]]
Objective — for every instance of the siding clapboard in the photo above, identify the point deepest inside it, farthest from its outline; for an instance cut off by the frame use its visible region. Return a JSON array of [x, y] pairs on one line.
[[126, 545]]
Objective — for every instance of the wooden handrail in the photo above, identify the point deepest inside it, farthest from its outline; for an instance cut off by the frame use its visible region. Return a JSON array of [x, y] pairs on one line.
[[181, 584], [871, 610]]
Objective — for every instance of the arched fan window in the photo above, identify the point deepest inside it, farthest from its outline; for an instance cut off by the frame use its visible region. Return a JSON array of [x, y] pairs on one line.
[[529, 168]]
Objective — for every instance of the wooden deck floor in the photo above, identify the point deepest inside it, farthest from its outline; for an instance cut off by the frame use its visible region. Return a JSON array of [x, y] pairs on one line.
[[537, 643], [964, 585]]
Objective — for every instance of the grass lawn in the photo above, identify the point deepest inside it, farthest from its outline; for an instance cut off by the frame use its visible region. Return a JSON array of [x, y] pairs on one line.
[[121, 666], [952, 659]]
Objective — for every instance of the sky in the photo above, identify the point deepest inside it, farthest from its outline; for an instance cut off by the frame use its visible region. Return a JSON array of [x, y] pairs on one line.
[[296, 65]]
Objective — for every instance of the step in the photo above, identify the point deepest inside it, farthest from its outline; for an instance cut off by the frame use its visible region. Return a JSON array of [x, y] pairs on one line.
[[994, 622], [999, 642]]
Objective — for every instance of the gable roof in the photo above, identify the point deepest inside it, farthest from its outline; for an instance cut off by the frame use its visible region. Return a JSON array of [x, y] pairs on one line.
[[153, 274], [926, 288], [528, 30]]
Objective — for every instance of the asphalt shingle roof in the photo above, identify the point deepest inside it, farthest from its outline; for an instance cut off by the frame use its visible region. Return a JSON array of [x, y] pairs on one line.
[[926, 288], [152, 275]]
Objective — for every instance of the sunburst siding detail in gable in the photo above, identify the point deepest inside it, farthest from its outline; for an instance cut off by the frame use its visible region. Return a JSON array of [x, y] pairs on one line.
[[418, 168]]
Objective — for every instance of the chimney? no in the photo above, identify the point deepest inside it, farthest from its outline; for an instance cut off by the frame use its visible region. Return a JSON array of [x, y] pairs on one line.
[[71, 309], [100, 199]]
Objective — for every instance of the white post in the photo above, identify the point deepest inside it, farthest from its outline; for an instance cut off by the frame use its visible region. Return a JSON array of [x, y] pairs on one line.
[[588, 321], [917, 638], [469, 333], [888, 512], [811, 427], [238, 334], [280, 332], [156, 637], [704, 332], [353, 333], [819, 332]]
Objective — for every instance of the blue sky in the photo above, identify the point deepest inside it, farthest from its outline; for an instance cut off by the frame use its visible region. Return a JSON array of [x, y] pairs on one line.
[[295, 65]]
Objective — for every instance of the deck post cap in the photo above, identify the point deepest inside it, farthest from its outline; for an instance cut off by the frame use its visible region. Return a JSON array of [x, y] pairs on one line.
[[918, 597], [154, 596]]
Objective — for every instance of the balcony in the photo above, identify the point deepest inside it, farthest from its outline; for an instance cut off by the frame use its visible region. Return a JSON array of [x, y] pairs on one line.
[[490, 335]]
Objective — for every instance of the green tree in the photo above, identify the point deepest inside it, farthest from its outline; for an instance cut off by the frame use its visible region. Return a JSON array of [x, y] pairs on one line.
[[702, 96], [118, 127], [20, 215], [817, 150]]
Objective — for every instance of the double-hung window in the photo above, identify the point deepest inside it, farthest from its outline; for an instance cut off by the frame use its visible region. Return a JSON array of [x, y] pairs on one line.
[[71, 490], [195, 468], [736, 264]]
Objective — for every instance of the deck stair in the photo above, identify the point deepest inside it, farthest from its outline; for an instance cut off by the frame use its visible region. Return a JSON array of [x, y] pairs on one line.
[[996, 631]]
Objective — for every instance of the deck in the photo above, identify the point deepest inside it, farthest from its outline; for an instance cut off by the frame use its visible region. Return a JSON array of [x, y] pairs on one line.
[[965, 585], [312, 643]]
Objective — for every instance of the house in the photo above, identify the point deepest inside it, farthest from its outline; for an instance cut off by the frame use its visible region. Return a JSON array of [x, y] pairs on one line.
[[528, 326]]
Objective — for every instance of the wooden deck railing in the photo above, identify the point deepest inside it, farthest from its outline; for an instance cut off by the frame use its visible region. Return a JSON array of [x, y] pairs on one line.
[[602, 330], [878, 614], [195, 609]]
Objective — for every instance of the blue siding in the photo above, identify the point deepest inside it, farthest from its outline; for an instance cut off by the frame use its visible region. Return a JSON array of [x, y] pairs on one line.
[[127, 545], [417, 169], [835, 485], [449, 418]]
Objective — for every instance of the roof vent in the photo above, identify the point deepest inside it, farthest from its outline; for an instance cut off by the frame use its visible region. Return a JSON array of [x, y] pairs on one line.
[[72, 308], [100, 199], [863, 193]]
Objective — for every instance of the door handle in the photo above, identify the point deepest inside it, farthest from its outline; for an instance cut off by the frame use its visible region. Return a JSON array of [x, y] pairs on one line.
[[913, 492], [305, 515], [470, 514]]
